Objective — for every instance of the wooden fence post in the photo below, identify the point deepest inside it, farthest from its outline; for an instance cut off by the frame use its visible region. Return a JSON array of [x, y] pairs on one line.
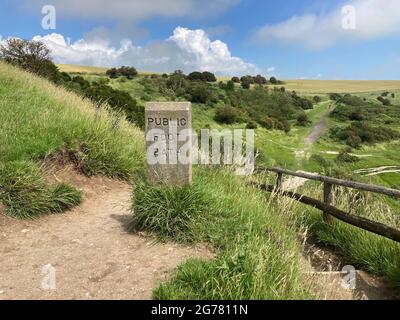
[[328, 195], [278, 185]]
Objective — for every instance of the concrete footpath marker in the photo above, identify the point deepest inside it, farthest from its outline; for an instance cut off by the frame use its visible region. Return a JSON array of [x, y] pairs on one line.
[[169, 143]]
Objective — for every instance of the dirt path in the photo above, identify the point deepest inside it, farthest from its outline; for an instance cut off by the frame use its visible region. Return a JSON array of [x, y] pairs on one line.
[[93, 255], [316, 133]]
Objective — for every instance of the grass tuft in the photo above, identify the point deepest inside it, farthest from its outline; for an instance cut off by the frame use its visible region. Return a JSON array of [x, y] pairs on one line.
[[257, 257], [39, 119]]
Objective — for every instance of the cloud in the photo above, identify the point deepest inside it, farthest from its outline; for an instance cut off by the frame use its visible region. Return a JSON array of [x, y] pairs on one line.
[[132, 10], [374, 19], [186, 49]]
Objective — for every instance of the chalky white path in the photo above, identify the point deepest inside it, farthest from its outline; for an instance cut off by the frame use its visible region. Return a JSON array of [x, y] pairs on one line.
[[94, 256]]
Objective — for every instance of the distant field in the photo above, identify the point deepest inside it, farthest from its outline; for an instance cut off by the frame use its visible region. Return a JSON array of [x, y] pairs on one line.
[[302, 86], [81, 69], [71, 68], [341, 86]]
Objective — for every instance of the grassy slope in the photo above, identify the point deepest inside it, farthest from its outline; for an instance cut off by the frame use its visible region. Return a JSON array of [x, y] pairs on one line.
[[258, 256], [375, 253], [39, 119], [257, 252]]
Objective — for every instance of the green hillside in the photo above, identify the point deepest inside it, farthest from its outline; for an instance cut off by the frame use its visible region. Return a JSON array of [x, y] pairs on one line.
[[254, 235], [38, 120]]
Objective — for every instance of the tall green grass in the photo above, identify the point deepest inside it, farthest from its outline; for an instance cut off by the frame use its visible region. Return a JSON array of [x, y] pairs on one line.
[[363, 249], [39, 119], [25, 193], [257, 256]]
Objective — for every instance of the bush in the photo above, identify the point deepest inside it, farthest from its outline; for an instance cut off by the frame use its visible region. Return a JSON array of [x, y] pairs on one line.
[[128, 72], [227, 115], [118, 100], [384, 101], [302, 120], [273, 80], [230, 86], [356, 116], [201, 93], [260, 79], [251, 125], [195, 76], [236, 80], [317, 99], [209, 77], [246, 84], [360, 132], [335, 96], [32, 56], [345, 157]]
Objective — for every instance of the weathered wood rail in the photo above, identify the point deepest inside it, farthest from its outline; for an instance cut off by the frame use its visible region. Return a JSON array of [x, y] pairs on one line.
[[328, 210]]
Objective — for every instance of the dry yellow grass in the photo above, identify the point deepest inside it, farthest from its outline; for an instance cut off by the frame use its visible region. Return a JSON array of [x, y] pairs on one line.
[[71, 68], [341, 86], [81, 69]]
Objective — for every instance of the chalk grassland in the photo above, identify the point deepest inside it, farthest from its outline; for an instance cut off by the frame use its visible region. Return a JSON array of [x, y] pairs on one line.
[[39, 119], [257, 253]]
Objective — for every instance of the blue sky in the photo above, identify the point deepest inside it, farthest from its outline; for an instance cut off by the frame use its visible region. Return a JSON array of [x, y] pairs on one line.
[[288, 39]]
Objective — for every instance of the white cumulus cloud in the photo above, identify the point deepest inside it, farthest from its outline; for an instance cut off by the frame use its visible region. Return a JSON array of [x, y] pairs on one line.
[[186, 49], [373, 19]]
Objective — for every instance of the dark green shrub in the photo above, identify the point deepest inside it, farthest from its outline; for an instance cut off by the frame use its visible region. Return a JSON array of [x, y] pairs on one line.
[[227, 115], [345, 157], [128, 72], [251, 125], [302, 120], [317, 99], [32, 56]]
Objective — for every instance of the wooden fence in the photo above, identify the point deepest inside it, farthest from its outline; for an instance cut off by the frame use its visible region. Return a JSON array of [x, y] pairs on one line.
[[329, 211]]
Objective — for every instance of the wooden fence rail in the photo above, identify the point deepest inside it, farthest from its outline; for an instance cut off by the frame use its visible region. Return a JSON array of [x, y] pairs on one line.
[[328, 210]]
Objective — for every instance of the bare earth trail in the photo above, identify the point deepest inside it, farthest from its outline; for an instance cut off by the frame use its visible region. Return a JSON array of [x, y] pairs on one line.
[[93, 254], [323, 265], [317, 132]]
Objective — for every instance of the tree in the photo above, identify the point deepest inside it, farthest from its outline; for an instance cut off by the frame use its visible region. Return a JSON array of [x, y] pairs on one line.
[[236, 80], [195, 76], [260, 79], [384, 101], [112, 73], [128, 72], [273, 80], [317, 99], [227, 115], [32, 56], [200, 93], [246, 83], [230, 85], [209, 77], [302, 120]]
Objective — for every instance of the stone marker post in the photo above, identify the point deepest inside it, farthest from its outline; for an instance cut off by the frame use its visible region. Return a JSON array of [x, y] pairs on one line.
[[169, 142]]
